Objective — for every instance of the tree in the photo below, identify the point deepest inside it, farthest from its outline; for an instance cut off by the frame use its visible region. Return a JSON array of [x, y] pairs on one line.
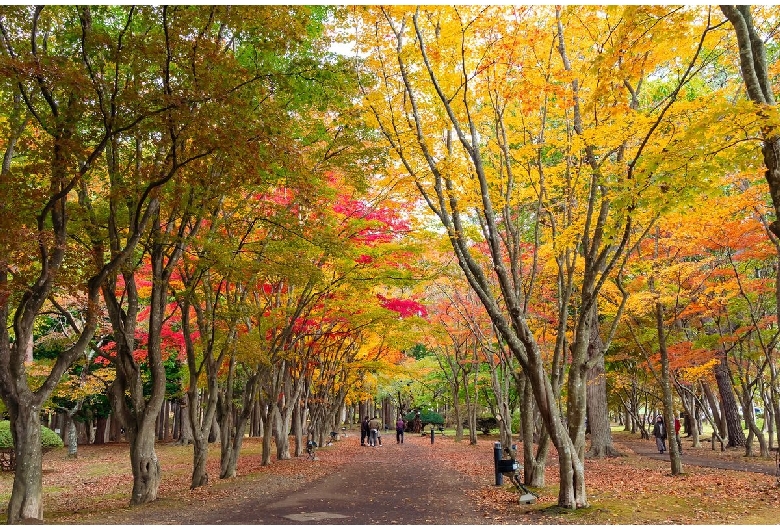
[[494, 174], [218, 90], [755, 74], [74, 119], [758, 84]]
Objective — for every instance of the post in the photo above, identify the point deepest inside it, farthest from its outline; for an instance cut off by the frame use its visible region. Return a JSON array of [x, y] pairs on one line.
[[431, 435], [496, 457]]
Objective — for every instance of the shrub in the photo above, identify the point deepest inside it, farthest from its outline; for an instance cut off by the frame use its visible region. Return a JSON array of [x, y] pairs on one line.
[[486, 424], [426, 417], [49, 439]]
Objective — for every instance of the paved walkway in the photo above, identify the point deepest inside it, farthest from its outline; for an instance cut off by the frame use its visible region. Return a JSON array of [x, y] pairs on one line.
[[377, 487]]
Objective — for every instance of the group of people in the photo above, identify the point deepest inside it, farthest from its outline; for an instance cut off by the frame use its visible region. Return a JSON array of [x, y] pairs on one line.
[[661, 434], [371, 430]]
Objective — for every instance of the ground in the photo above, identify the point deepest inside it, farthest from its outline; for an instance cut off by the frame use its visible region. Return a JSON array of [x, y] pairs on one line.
[[412, 483]]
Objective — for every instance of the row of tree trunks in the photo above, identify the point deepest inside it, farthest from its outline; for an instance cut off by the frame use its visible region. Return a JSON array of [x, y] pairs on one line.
[[256, 421], [163, 422], [171, 425], [389, 413], [97, 431]]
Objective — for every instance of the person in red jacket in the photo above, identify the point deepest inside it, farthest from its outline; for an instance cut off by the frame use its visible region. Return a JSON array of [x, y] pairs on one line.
[[677, 433]]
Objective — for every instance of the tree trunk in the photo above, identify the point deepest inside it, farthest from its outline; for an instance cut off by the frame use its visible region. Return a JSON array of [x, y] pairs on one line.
[[750, 420], [572, 476], [253, 422], [281, 434], [200, 428], [718, 425], [596, 391], [26, 503], [666, 387], [83, 432], [297, 425], [167, 420], [225, 416], [144, 462], [267, 436], [500, 379], [214, 434], [115, 428], [200, 476], [100, 432], [159, 423], [176, 421], [293, 389], [736, 436], [471, 410], [534, 465], [232, 423], [752, 58], [458, 414], [140, 430], [576, 392], [769, 411], [73, 440], [185, 422]]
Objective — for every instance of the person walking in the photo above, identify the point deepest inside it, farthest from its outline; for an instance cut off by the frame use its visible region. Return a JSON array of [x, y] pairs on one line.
[[373, 431], [363, 431], [677, 433], [400, 426], [659, 431]]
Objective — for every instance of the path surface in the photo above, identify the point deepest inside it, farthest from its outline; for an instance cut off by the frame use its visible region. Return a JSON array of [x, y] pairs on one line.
[[392, 484]]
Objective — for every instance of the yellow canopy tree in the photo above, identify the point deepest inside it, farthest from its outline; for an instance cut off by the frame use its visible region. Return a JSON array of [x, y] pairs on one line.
[[537, 131]]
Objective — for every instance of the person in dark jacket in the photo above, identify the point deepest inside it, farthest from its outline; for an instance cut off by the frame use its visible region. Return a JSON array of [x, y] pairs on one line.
[[400, 425], [659, 431], [363, 431]]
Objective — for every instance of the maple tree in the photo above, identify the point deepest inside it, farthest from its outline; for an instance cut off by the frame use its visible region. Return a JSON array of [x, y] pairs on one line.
[[757, 74], [466, 348], [62, 122], [589, 180], [189, 168], [208, 293]]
